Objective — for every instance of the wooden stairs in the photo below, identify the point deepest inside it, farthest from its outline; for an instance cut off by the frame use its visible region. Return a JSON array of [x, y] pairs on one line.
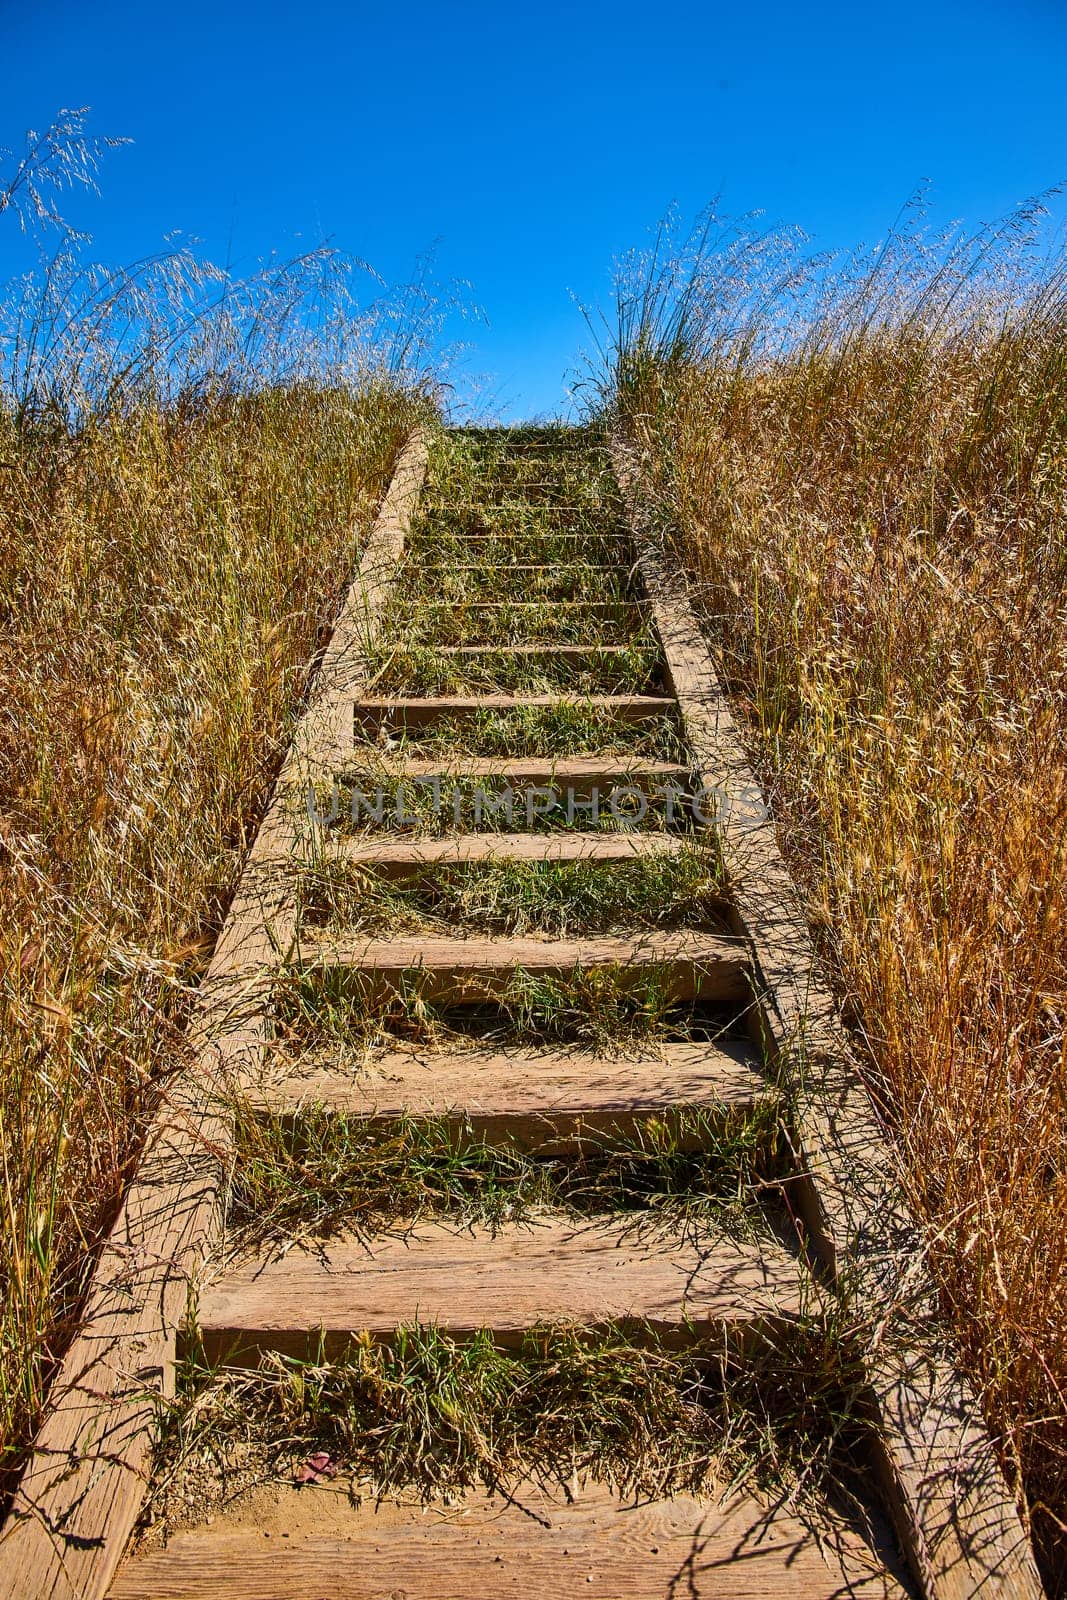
[[955, 1529]]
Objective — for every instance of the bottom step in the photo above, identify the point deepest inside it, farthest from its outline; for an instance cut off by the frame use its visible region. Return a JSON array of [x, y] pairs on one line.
[[314, 1544]]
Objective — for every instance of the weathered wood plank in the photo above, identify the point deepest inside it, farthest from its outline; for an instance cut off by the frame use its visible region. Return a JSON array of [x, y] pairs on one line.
[[509, 569], [536, 1098], [953, 1508], [461, 1280], [580, 773], [370, 715], [639, 606], [528, 536], [392, 857], [691, 965], [573, 654], [530, 1546]]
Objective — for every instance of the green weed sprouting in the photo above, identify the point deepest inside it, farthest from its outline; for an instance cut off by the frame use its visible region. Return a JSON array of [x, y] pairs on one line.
[[608, 1007], [687, 1172], [514, 898], [427, 1413]]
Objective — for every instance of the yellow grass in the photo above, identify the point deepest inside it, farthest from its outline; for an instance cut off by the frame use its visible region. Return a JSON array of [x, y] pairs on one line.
[[165, 576], [870, 501]]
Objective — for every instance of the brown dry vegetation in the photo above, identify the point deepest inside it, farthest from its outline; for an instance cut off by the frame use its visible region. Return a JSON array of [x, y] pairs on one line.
[[864, 472], [164, 580], [187, 466]]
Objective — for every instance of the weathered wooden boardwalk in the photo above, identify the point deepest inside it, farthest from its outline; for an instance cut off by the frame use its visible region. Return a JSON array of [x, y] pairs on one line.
[[481, 583]]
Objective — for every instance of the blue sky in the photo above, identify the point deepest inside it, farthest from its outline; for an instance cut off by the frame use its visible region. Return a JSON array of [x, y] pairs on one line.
[[533, 144]]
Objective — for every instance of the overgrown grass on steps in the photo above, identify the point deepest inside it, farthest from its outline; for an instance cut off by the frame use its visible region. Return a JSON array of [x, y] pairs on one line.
[[561, 899], [514, 530], [602, 1008], [425, 670], [687, 1173], [540, 578], [428, 1415], [571, 727], [503, 622], [372, 800]]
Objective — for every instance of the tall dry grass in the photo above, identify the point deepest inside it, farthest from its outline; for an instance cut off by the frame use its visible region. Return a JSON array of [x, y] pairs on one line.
[[862, 466], [187, 466]]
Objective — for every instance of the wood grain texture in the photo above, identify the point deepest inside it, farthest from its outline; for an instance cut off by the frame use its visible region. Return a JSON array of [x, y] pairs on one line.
[[580, 773], [533, 1097], [462, 1280], [953, 1508], [708, 966], [369, 716], [534, 1547], [393, 857], [81, 1490]]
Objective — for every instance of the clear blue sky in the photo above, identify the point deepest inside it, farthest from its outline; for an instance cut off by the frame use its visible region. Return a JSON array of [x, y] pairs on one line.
[[535, 143]]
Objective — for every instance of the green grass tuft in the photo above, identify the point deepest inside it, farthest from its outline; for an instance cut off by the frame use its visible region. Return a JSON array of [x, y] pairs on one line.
[[318, 1171], [603, 1007], [558, 898]]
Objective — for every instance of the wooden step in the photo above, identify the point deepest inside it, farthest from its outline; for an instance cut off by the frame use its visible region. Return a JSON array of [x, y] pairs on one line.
[[462, 1280], [512, 583], [584, 538], [595, 790], [583, 508], [400, 857], [530, 1545], [519, 526], [693, 966], [580, 773], [519, 439], [370, 715], [532, 494], [534, 1098], [440, 520], [617, 607], [571, 653]]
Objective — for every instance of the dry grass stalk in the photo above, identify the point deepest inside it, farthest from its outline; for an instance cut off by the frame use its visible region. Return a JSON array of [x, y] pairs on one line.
[[863, 471], [187, 464]]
